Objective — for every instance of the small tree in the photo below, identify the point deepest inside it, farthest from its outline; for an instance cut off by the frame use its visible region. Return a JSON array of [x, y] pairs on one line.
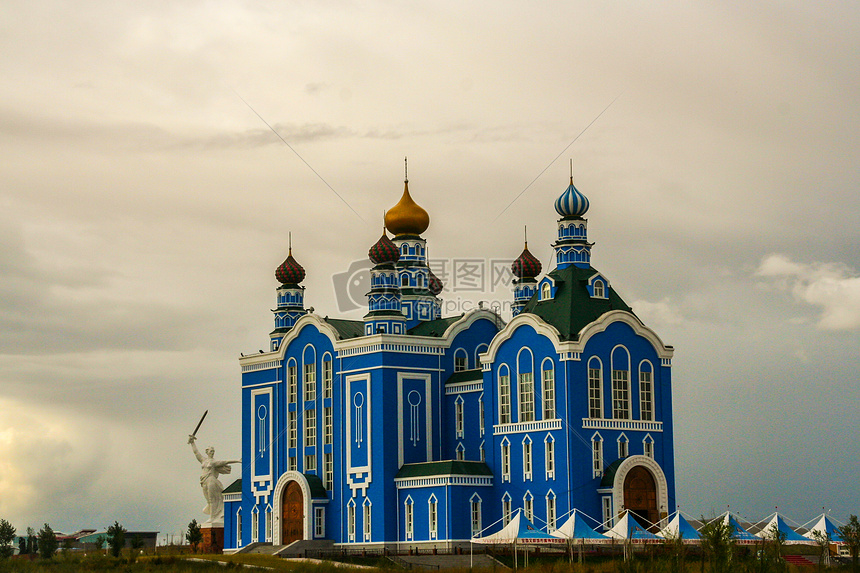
[[194, 535], [32, 542], [717, 545], [851, 534], [116, 538], [822, 540], [47, 542], [136, 544], [7, 537]]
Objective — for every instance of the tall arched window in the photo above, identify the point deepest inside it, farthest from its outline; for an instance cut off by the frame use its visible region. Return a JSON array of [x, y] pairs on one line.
[[595, 388], [545, 292], [598, 289], [548, 381], [504, 395], [620, 383], [646, 391], [526, 385]]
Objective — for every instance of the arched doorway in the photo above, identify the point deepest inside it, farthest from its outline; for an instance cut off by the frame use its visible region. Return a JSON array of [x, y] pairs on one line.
[[292, 513], [640, 495]]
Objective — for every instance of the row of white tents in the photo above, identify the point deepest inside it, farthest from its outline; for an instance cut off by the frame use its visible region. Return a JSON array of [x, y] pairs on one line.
[[520, 530]]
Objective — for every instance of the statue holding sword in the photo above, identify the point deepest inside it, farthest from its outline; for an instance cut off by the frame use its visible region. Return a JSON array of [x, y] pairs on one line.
[[209, 482]]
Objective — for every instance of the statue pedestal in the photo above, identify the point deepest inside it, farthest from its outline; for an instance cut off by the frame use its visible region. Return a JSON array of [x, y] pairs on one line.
[[213, 538]]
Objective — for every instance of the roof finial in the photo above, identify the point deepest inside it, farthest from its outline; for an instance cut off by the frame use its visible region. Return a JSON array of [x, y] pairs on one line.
[[290, 242], [571, 170], [526, 235], [406, 170]]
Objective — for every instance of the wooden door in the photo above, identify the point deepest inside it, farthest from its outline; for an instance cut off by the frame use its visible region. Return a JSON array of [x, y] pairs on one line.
[[292, 514], [640, 495]]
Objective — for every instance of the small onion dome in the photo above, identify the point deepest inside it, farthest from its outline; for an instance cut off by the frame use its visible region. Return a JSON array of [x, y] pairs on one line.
[[526, 265], [290, 272], [407, 217], [384, 251], [434, 284], [572, 203]]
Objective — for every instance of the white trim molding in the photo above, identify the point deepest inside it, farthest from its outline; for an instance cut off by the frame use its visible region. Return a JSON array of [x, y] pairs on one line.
[[286, 478], [659, 479]]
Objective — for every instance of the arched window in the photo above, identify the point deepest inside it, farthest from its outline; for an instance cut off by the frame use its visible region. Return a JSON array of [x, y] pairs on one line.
[[420, 281], [409, 518], [404, 280], [620, 383], [460, 360], [595, 388], [545, 292], [526, 385], [548, 381], [597, 455], [646, 391], [504, 395], [598, 289]]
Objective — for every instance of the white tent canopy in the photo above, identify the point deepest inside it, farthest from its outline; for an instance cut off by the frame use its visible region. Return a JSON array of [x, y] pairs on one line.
[[520, 531], [680, 528], [629, 529], [777, 523], [576, 529]]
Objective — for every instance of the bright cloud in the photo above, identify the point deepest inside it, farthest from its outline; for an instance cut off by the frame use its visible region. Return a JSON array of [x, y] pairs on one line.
[[832, 287]]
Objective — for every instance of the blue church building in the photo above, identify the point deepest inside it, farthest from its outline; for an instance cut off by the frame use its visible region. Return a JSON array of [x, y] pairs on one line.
[[408, 429]]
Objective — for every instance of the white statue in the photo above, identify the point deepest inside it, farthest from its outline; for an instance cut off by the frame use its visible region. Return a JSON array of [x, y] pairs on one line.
[[212, 487]]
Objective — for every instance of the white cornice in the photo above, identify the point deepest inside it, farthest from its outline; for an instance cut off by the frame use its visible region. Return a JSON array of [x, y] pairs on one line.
[[522, 319], [631, 320], [310, 318]]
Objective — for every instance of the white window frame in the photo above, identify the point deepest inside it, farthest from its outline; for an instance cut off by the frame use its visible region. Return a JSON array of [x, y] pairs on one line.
[[549, 456], [292, 382], [595, 389], [506, 508], [482, 454], [461, 360], [350, 520], [549, 392], [239, 527], [646, 393], [367, 516], [409, 518], [310, 380], [606, 506], [526, 406], [269, 523], [550, 511], [255, 525], [481, 415], [621, 394], [475, 512], [328, 426], [328, 470], [461, 451], [529, 506], [528, 456], [319, 522], [327, 376], [545, 291], [310, 463], [310, 428], [292, 429], [596, 455], [598, 289], [504, 398], [623, 446], [506, 460], [433, 516], [648, 446], [459, 416]]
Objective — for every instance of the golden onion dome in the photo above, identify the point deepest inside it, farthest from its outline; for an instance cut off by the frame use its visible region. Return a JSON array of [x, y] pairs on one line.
[[407, 217]]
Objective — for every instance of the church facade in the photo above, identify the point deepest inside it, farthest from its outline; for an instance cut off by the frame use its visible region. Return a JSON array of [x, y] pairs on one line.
[[409, 429]]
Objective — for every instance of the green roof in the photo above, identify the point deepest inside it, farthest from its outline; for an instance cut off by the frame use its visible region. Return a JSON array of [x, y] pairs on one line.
[[347, 328], [235, 487], [609, 473], [466, 376], [316, 485], [572, 308], [433, 327], [444, 468]]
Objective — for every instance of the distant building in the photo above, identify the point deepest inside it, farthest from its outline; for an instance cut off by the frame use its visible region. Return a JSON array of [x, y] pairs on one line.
[[409, 429]]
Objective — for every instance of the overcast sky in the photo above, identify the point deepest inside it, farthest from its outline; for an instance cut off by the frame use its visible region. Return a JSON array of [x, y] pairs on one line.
[[144, 207]]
